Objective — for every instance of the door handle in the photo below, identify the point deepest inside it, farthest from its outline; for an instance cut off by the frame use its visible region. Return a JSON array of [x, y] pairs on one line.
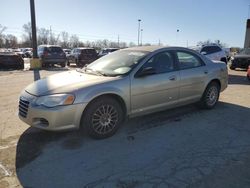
[[205, 72], [172, 78]]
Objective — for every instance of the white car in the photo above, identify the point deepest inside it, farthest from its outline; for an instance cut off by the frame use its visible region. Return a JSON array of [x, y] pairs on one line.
[[214, 52]]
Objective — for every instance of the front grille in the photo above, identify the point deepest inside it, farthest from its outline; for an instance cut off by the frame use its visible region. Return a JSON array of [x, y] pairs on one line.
[[23, 107]]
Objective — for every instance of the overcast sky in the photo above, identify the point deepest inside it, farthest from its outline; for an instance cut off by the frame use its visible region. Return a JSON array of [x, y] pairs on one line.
[[196, 20]]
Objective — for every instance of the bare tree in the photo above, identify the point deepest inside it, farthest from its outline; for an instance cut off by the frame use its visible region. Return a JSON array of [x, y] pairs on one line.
[[209, 42], [43, 36], [2, 29], [54, 39], [65, 39], [11, 41], [74, 41], [27, 36]]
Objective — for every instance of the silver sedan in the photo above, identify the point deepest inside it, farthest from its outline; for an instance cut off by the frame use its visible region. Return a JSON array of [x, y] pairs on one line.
[[127, 83]]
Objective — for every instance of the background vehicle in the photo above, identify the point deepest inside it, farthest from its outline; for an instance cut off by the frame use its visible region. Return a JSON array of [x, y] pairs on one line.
[[51, 54], [129, 82], [106, 51], [82, 56], [28, 52], [241, 60], [19, 52], [248, 73], [11, 60], [67, 51], [214, 52]]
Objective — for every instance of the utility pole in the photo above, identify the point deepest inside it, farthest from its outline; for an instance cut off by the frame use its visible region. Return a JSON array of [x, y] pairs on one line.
[[33, 26], [139, 30], [118, 42], [141, 36], [50, 34]]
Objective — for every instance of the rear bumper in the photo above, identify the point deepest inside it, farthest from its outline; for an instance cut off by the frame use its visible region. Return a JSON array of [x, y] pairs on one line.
[[240, 63], [53, 61]]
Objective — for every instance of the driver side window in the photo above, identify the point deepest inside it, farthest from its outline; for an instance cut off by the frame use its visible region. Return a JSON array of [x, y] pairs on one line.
[[162, 62]]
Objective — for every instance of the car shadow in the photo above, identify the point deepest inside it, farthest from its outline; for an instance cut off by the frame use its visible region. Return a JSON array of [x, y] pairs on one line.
[[238, 79], [155, 143]]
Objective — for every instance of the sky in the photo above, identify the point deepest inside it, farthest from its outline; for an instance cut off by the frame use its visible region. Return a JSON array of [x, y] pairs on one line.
[[196, 20]]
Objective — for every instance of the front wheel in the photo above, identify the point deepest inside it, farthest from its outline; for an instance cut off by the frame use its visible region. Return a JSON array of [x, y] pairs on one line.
[[210, 96], [102, 118]]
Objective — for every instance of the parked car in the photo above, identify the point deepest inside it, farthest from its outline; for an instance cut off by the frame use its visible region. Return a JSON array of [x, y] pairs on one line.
[[126, 83], [214, 52], [11, 60], [241, 60], [248, 73], [28, 52], [51, 54], [19, 52], [82, 56], [67, 51], [106, 51]]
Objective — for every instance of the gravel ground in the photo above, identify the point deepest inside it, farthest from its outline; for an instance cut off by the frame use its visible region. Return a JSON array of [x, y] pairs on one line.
[[184, 147]]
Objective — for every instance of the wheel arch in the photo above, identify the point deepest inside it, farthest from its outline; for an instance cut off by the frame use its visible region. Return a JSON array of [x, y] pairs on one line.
[[114, 96]]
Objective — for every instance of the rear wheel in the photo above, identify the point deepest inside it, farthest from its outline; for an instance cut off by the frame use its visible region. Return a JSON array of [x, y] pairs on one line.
[[68, 63], [232, 67], [77, 62], [224, 59], [63, 64], [102, 117], [210, 96]]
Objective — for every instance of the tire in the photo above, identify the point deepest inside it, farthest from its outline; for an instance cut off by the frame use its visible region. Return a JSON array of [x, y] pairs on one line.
[[77, 62], [224, 60], [102, 118], [63, 64], [232, 68], [210, 96]]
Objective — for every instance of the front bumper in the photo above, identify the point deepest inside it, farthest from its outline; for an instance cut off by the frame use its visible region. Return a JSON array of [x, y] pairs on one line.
[[53, 119]]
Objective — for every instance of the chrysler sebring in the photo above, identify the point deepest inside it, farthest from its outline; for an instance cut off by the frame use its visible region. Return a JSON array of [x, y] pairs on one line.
[[126, 83]]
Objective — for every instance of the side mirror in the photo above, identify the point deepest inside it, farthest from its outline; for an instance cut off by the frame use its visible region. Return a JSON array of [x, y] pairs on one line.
[[145, 72], [204, 53]]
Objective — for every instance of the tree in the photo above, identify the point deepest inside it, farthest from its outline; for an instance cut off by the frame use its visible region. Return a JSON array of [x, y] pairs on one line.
[[65, 39], [209, 42], [74, 41], [2, 29], [27, 36], [43, 36], [11, 41]]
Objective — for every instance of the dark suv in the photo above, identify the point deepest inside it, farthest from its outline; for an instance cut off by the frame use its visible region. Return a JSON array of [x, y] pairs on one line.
[[82, 56], [51, 54]]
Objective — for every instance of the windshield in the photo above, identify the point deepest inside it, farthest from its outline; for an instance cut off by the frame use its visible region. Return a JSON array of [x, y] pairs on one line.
[[116, 63], [245, 51]]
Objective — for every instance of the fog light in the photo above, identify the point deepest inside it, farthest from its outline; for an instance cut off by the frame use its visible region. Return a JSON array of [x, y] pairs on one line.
[[41, 122]]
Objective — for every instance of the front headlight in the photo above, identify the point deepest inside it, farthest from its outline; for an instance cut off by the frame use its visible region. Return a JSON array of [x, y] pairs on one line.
[[55, 100]]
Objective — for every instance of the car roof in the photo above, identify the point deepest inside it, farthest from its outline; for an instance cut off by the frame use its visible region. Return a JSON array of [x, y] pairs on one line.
[[154, 48], [85, 48]]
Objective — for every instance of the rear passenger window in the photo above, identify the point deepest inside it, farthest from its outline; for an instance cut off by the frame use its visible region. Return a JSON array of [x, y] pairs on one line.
[[187, 60]]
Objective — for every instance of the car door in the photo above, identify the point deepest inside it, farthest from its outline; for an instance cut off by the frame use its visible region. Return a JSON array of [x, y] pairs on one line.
[[193, 73], [159, 88]]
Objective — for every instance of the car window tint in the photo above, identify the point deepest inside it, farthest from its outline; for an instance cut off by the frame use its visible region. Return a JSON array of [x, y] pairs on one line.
[[187, 60], [54, 50], [161, 62], [210, 49]]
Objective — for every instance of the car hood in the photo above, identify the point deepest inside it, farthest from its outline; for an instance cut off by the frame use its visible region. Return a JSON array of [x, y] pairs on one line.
[[243, 56], [65, 82]]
